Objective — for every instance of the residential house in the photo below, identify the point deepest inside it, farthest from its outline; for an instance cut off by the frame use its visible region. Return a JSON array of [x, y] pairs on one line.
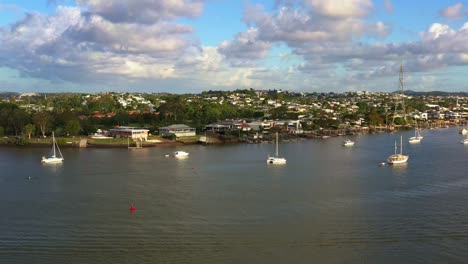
[[130, 132], [179, 130]]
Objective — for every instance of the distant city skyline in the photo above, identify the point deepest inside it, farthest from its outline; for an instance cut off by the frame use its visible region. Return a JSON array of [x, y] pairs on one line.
[[189, 46]]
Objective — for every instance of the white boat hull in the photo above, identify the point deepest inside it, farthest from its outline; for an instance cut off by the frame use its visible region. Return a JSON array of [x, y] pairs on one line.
[[181, 154], [414, 140], [465, 141], [397, 159], [101, 137], [348, 143], [52, 160], [274, 160]]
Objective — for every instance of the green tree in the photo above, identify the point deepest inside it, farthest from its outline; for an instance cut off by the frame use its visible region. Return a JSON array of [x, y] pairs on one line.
[[278, 112], [42, 121], [374, 119], [29, 129], [18, 119], [173, 108], [72, 127], [400, 121], [211, 114]]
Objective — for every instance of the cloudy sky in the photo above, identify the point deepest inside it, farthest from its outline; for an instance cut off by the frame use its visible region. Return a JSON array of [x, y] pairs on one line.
[[189, 46]]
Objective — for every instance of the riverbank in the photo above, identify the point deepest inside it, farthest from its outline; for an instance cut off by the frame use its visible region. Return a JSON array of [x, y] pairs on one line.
[[77, 142]]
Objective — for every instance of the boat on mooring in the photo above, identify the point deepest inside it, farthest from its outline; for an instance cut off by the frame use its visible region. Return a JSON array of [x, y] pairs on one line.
[[398, 158], [276, 159], [181, 154], [348, 143], [56, 155]]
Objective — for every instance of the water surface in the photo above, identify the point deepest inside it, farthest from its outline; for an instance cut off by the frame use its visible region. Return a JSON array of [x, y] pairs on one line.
[[224, 204]]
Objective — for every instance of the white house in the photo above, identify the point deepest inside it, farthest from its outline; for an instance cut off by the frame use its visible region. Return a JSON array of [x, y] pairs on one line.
[[180, 130], [424, 116], [130, 132]]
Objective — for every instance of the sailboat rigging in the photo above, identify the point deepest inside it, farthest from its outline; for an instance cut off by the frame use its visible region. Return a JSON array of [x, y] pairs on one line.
[[417, 135], [56, 154], [276, 159], [398, 158]]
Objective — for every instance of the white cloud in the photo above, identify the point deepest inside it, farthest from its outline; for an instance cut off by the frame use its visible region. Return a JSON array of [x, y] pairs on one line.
[[341, 8], [143, 42], [440, 38], [245, 48], [454, 12], [40, 45], [388, 6], [143, 11], [297, 27]]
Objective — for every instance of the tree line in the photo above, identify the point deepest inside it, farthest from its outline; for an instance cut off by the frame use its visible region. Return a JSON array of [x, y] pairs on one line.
[[73, 114], [69, 117]]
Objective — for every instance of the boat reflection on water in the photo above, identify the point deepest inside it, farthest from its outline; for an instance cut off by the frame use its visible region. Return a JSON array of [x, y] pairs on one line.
[[399, 169]]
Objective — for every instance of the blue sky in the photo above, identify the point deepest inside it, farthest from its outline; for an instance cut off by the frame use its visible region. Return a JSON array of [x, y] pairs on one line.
[[195, 45]]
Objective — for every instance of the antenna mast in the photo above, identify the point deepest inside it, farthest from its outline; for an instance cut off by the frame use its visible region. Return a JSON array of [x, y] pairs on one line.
[[400, 100]]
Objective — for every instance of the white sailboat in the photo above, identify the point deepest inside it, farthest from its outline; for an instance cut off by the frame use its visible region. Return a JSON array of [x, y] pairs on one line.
[[56, 156], [465, 141], [398, 158], [417, 137], [276, 159]]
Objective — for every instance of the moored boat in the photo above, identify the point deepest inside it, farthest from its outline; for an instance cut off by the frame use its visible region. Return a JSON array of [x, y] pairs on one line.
[[417, 136], [276, 159], [56, 154], [181, 154], [463, 131], [398, 158], [348, 143]]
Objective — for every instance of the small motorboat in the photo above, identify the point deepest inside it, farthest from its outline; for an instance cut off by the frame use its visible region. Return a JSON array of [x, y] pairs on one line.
[[181, 154], [348, 143]]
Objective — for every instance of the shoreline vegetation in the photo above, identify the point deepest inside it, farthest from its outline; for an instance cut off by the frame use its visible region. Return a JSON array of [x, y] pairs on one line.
[[214, 139], [216, 117]]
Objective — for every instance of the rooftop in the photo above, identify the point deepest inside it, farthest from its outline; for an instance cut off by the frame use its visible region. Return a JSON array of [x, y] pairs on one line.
[[176, 126]]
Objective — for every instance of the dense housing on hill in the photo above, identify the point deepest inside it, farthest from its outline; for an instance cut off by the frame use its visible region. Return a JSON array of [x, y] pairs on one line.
[[245, 110]]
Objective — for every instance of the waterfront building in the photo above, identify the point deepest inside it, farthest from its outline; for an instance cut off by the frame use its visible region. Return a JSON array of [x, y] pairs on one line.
[[217, 127], [180, 130], [130, 132], [228, 125]]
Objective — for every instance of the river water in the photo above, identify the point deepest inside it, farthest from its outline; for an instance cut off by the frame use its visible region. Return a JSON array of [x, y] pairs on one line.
[[224, 204]]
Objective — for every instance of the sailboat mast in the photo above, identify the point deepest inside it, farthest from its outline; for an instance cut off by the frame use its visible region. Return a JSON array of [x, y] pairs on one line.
[[277, 144], [401, 145], [53, 144], [395, 147]]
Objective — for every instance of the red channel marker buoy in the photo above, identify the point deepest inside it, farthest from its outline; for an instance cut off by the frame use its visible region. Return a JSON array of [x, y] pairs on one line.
[[132, 208]]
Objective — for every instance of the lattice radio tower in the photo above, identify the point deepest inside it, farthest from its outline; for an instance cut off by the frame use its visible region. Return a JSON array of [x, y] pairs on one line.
[[400, 100]]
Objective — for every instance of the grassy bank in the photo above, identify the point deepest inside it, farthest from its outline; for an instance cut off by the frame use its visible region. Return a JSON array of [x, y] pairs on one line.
[[75, 142]]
